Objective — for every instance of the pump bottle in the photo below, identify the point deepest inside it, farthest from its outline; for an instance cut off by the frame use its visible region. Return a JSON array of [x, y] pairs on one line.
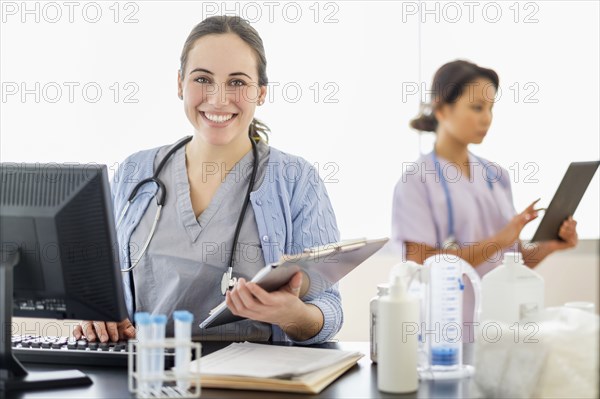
[[397, 336]]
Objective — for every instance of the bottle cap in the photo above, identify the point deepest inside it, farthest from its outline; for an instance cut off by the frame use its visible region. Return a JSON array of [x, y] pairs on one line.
[[514, 258], [142, 318], [159, 319], [183, 315]]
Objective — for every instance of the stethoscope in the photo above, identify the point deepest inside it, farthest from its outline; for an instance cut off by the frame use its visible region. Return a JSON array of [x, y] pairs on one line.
[[451, 240], [227, 281]]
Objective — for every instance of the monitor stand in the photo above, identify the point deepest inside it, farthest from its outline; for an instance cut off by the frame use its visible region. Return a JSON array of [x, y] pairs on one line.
[[13, 375]]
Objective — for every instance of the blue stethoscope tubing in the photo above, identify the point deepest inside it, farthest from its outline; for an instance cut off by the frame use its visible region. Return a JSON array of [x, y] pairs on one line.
[[160, 201], [449, 205]]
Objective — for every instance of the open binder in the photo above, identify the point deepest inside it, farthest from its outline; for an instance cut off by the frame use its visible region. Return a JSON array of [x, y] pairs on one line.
[[324, 266], [251, 366]]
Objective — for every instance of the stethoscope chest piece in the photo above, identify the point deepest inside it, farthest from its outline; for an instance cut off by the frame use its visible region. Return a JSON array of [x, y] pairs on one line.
[[227, 282]]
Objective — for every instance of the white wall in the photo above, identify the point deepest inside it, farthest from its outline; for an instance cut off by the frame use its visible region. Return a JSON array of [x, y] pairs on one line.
[[363, 57]]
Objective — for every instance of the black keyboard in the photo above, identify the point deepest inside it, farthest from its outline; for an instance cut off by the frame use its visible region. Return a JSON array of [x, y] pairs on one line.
[[68, 350]]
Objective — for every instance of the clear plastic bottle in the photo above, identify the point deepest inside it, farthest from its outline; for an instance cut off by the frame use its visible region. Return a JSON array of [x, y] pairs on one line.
[[511, 292], [143, 326], [445, 310], [442, 336], [157, 357], [183, 336], [382, 289]]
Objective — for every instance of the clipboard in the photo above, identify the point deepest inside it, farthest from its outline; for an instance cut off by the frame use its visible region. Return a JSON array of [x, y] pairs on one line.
[[324, 266], [566, 199]]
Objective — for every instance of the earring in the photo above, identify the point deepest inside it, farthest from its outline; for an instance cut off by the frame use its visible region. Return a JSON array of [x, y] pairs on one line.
[[180, 96], [261, 102]]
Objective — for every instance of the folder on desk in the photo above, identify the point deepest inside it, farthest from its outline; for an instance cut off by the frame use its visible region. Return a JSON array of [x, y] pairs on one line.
[[324, 266], [273, 368]]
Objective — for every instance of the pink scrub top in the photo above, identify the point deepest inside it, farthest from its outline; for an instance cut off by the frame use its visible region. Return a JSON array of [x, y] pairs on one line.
[[480, 209]]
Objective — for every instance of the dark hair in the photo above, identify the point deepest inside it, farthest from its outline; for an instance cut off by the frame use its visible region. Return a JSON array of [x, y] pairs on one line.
[[222, 24], [448, 85]]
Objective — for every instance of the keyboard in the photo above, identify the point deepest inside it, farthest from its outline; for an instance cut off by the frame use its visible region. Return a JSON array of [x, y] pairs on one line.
[[68, 350]]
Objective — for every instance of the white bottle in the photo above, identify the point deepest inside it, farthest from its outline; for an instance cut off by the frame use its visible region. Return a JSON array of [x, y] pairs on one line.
[[511, 292], [397, 335], [382, 289]]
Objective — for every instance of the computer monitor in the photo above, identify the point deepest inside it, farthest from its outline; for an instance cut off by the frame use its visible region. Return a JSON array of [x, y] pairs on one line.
[[60, 254]]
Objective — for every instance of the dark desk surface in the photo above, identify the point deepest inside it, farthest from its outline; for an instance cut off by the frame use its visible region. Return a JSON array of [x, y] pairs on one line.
[[358, 382]]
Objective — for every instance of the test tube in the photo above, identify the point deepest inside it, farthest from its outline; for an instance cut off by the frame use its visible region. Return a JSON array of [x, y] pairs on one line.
[[143, 335], [157, 362], [183, 336]]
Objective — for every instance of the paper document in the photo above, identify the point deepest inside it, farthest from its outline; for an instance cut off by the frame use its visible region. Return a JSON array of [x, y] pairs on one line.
[[269, 361]]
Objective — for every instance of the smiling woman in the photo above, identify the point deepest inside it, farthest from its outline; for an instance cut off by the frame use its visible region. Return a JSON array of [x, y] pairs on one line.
[[209, 241]]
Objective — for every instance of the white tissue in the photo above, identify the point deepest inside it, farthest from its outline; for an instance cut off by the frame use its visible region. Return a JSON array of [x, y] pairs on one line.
[[554, 357]]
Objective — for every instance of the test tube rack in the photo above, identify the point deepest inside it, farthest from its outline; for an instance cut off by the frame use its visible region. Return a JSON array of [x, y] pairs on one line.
[[168, 378]]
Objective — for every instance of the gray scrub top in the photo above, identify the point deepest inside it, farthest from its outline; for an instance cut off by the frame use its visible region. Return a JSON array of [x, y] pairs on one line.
[[185, 261]]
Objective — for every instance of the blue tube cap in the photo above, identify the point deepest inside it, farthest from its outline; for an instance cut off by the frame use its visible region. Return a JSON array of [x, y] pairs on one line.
[[183, 315], [159, 319], [142, 318]]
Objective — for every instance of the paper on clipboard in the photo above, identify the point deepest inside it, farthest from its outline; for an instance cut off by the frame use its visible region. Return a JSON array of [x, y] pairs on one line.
[[324, 266]]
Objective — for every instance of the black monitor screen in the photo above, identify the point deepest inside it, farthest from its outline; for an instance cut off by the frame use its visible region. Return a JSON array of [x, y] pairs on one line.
[[59, 218]]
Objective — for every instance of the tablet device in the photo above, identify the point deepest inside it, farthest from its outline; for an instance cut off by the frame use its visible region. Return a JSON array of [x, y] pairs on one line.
[[566, 199], [324, 266]]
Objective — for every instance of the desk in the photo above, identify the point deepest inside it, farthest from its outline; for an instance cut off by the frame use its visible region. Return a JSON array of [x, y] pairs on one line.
[[358, 382]]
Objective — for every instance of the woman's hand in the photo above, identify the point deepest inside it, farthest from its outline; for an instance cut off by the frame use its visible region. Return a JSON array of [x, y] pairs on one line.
[[510, 233], [283, 307], [534, 253], [568, 232], [104, 331]]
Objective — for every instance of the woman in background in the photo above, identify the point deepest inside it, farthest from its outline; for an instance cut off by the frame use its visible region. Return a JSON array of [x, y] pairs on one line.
[[455, 202]]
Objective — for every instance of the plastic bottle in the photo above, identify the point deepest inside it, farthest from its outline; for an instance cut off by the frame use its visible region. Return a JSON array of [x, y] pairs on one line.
[[439, 288], [512, 291], [397, 328], [445, 313], [144, 335], [382, 290], [183, 336], [157, 360]]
